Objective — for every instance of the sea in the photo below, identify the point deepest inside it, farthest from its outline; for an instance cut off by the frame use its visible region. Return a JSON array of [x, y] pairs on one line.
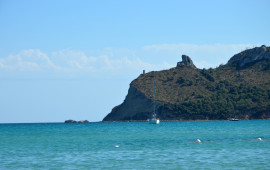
[[136, 145]]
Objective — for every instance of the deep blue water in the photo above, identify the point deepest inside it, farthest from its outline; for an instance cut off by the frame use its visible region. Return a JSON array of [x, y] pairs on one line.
[[169, 145]]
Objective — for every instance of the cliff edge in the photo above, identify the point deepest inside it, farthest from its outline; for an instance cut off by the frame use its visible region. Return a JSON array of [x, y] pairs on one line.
[[241, 87]]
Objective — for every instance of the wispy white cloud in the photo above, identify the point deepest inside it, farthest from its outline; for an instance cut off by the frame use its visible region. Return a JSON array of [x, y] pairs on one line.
[[73, 60], [205, 56], [118, 61], [133, 63], [27, 60], [108, 60], [68, 62]]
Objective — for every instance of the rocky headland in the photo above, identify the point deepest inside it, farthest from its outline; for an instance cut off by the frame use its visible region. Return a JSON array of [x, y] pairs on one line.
[[241, 88]]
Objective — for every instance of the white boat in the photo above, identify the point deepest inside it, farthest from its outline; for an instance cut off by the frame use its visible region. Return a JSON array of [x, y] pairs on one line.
[[233, 116], [154, 119], [233, 119]]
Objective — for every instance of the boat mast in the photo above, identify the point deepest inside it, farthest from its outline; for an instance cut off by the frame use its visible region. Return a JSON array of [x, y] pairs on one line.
[[154, 98], [233, 111]]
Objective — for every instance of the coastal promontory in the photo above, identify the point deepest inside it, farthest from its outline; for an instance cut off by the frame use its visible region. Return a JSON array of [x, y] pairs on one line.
[[240, 88]]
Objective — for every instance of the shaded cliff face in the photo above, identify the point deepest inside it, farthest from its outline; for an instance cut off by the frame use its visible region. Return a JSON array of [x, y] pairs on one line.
[[241, 88], [135, 107]]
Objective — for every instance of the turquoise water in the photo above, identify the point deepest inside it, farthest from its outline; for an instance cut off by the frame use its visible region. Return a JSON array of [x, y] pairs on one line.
[[169, 145]]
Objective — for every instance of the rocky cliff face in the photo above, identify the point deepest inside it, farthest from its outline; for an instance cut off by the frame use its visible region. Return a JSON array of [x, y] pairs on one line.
[[135, 107], [139, 104], [240, 87], [251, 56]]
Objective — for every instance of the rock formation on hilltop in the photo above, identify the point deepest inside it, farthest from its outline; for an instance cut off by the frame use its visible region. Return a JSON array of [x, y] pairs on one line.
[[241, 87], [186, 61], [251, 56]]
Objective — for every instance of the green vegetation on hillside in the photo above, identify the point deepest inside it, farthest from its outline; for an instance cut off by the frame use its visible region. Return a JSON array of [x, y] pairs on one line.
[[213, 94], [240, 89], [230, 100]]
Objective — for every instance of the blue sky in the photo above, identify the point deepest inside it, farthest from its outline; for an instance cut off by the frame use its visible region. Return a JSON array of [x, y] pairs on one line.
[[75, 59]]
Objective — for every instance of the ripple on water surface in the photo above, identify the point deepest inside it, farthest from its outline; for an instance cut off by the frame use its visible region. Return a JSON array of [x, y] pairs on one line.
[[170, 145]]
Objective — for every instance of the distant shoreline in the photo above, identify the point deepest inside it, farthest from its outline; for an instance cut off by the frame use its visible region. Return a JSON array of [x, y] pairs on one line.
[[178, 120], [126, 121]]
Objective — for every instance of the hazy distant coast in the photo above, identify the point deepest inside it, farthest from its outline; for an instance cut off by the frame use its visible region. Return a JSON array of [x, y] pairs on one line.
[[74, 121]]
